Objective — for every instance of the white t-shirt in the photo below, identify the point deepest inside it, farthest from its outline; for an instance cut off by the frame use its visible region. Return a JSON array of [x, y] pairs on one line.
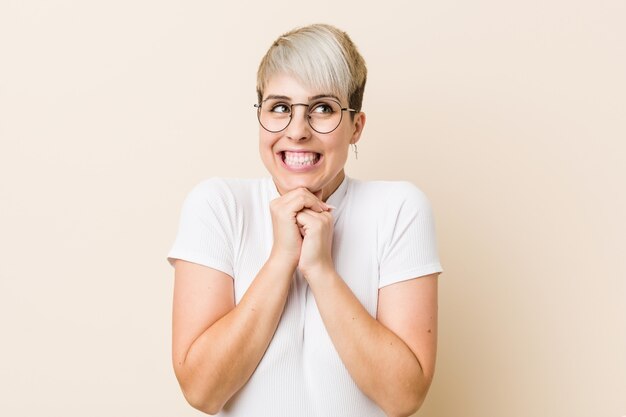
[[383, 233]]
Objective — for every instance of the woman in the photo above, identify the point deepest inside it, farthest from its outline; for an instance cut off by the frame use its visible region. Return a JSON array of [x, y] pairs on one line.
[[296, 295]]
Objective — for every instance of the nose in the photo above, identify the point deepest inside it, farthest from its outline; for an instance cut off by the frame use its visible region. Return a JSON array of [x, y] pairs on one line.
[[298, 128]]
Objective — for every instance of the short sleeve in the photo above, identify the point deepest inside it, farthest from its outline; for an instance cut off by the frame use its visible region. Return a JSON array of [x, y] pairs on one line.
[[409, 246], [206, 227]]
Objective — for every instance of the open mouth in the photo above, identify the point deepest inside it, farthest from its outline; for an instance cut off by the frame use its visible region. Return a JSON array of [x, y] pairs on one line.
[[300, 159]]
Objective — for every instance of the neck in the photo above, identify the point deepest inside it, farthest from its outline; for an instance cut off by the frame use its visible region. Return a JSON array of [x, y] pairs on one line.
[[332, 186]]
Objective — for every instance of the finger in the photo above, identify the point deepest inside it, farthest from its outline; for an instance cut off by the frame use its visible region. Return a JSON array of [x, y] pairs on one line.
[[301, 222], [325, 213], [318, 194], [308, 217], [304, 218], [301, 198]]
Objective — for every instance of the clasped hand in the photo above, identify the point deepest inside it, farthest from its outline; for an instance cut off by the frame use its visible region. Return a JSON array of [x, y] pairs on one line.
[[303, 231]]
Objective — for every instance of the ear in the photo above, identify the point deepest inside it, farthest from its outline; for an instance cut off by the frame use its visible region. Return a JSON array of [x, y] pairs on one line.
[[359, 124]]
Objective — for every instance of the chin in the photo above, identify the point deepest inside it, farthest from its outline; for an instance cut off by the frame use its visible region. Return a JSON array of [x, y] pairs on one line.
[[289, 184]]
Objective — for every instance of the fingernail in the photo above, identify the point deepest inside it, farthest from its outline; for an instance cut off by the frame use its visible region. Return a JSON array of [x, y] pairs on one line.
[[330, 207]]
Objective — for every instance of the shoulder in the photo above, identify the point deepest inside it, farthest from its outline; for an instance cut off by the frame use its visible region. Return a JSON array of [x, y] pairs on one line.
[[223, 201], [389, 193], [224, 197]]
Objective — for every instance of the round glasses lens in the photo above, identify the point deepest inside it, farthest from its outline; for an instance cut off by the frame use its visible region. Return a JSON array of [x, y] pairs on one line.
[[274, 115], [323, 115]]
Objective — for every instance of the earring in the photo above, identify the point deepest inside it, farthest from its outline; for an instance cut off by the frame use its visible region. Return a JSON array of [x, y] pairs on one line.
[[356, 152]]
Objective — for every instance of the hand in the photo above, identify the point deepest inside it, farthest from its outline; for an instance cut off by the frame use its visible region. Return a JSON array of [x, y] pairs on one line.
[[288, 236], [316, 251]]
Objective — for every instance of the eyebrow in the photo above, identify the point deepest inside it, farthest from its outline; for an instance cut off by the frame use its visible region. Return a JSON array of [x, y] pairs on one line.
[[311, 98], [324, 96], [276, 97]]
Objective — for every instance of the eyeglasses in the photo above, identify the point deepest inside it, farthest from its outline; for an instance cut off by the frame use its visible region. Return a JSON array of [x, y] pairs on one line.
[[324, 115]]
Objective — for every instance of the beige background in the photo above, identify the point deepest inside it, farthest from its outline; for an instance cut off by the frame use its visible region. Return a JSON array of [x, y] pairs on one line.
[[510, 115]]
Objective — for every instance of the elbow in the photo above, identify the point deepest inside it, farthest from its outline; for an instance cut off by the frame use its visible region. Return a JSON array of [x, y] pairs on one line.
[[201, 401], [201, 396], [408, 404], [415, 404], [404, 409]]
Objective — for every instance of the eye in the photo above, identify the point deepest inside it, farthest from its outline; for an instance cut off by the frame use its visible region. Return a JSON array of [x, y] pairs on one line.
[[322, 108], [280, 108]]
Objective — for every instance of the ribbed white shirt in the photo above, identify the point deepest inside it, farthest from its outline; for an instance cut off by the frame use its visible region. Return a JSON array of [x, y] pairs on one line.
[[383, 233]]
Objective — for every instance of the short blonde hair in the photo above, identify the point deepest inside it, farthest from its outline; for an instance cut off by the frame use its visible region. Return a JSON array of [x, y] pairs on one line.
[[320, 56]]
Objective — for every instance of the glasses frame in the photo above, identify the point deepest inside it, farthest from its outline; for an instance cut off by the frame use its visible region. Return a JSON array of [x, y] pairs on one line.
[[308, 117]]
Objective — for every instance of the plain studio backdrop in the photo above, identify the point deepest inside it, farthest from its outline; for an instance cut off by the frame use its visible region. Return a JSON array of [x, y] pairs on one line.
[[510, 115]]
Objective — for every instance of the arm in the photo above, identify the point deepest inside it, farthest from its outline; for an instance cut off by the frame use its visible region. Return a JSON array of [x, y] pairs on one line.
[[217, 345], [391, 358]]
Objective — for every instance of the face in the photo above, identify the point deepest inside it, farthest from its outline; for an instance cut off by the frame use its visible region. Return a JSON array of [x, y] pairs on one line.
[[298, 156]]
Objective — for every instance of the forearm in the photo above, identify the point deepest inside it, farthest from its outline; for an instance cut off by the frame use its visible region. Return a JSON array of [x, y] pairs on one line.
[[380, 363], [222, 359]]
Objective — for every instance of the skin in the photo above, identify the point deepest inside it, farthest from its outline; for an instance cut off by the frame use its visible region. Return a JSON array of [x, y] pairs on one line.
[[217, 344], [298, 135]]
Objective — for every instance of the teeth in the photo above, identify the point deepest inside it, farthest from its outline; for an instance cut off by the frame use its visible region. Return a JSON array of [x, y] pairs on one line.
[[300, 159]]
